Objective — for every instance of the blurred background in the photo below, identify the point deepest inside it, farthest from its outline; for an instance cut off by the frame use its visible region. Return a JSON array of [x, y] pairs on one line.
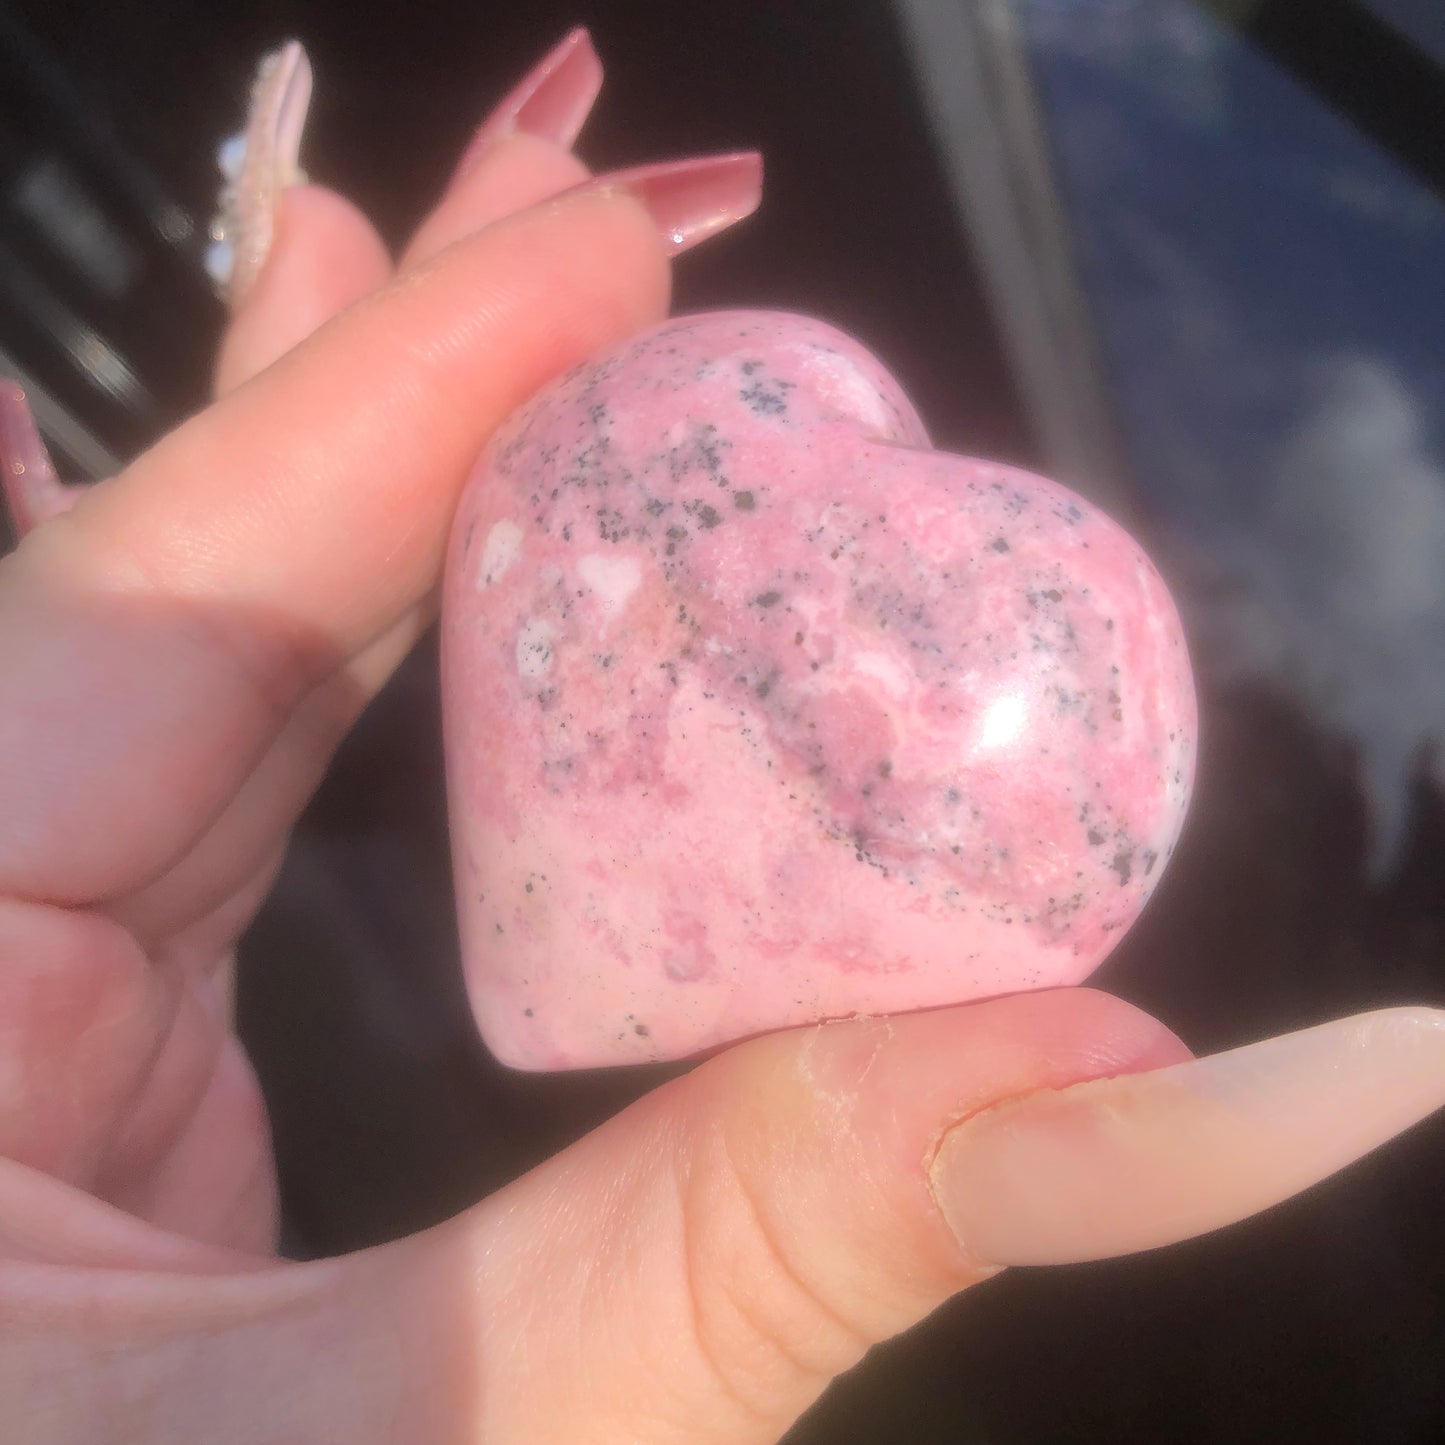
[[1185, 255]]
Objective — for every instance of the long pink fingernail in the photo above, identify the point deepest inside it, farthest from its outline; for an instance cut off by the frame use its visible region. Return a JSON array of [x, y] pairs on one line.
[[689, 200], [1117, 1165], [32, 491], [551, 102], [256, 166]]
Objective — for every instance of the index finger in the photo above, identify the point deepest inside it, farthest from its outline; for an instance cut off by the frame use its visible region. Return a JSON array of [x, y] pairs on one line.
[[249, 552]]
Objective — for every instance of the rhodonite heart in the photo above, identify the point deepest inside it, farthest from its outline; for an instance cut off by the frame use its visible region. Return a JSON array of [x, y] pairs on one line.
[[758, 711]]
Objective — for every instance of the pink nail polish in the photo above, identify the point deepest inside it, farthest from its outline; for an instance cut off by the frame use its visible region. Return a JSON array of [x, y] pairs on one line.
[[32, 491], [693, 199], [552, 102]]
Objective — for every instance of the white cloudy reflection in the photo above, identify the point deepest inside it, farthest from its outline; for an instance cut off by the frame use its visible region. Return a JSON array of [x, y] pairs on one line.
[[1270, 291]]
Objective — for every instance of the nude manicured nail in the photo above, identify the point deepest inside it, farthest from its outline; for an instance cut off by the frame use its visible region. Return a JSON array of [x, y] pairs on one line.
[[693, 199], [552, 102], [32, 491], [256, 166], [1117, 1165]]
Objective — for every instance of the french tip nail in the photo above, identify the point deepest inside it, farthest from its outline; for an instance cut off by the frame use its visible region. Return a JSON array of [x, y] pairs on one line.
[[1118, 1165], [256, 166], [692, 200], [552, 101]]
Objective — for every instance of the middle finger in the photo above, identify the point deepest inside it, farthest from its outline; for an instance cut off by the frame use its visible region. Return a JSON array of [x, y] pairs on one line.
[[318, 254]]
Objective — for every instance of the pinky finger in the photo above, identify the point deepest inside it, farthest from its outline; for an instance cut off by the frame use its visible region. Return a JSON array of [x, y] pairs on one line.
[[325, 256], [285, 256]]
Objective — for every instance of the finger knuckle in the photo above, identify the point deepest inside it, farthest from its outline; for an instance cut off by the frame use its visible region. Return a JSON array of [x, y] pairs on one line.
[[761, 1314]]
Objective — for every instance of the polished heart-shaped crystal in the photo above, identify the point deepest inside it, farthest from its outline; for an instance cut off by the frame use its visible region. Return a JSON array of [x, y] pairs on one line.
[[760, 712]]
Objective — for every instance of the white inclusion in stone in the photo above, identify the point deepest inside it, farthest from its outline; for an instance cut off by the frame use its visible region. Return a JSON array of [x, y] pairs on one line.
[[612, 580], [501, 549], [534, 648], [895, 678], [1003, 721]]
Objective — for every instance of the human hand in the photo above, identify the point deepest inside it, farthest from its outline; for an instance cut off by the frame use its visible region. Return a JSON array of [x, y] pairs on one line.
[[179, 655]]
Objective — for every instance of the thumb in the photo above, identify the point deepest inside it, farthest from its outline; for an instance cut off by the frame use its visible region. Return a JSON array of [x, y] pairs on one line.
[[700, 1268]]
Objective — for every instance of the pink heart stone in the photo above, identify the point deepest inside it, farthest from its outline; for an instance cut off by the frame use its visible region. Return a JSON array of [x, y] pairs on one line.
[[760, 712]]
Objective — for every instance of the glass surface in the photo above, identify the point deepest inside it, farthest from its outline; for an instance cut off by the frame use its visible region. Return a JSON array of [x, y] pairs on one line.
[[1269, 288], [1422, 21]]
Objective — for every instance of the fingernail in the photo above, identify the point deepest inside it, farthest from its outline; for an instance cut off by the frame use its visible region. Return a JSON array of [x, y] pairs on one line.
[[256, 166], [689, 200], [32, 491], [1118, 1165], [552, 102]]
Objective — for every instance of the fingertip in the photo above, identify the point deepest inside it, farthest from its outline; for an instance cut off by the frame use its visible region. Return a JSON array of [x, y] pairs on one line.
[[515, 171], [1114, 1166], [873, 1098], [325, 256]]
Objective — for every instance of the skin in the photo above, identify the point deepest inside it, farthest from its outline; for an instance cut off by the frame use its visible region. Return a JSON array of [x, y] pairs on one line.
[[179, 654]]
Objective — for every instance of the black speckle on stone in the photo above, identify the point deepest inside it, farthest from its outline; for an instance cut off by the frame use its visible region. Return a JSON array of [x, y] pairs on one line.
[[611, 527], [999, 544], [1053, 594], [743, 501], [527, 1012], [1150, 859], [499, 928], [642, 1031], [655, 507], [529, 888], [767, 599], [707, 517], [1095, 837], [1123, 865], [763, 400]]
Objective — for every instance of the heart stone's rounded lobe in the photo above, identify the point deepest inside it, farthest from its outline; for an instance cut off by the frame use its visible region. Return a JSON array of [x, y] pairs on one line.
[[760, 712]]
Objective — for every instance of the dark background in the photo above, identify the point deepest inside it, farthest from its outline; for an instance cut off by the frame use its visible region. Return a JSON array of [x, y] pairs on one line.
[[1323, 1320]]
